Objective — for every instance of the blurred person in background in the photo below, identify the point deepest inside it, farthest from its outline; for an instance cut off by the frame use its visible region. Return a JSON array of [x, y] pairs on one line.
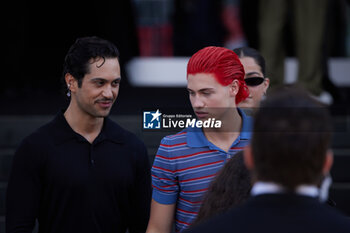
[[255, 76], [309, 32]]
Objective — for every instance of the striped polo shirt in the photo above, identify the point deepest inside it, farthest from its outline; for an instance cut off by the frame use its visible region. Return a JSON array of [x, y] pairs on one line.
[[185, 165]]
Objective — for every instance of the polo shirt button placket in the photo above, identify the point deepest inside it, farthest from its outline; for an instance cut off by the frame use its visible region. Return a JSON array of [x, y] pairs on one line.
[[92, 161]]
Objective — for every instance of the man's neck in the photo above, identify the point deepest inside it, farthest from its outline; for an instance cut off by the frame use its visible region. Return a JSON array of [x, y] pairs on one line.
[[82, 123], [229, 131]]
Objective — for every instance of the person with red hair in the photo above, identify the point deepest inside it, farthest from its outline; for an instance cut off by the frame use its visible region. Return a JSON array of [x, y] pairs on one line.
[[187, 162]]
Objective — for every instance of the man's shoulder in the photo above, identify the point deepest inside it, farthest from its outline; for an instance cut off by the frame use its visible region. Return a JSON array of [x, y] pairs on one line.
[[254, 217], [175, 139], [42, 132], [333, 218], [300, 212], [38, 139]]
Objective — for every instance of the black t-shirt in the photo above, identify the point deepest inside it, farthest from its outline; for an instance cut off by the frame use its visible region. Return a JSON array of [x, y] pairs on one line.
[[71, 185]]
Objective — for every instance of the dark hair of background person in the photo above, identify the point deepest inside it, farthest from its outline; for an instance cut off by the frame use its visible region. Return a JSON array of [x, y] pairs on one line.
[[230, 187], [292, 134], [253, 53], [77, 60]]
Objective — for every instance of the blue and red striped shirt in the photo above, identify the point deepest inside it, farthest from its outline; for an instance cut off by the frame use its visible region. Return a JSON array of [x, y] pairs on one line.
[[185, 165]]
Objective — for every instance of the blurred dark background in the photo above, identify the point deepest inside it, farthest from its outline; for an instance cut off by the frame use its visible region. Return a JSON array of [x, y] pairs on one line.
[[37, 36]]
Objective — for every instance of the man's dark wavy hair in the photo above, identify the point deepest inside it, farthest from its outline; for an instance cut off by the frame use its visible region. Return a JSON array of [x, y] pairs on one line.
[[82, 51]]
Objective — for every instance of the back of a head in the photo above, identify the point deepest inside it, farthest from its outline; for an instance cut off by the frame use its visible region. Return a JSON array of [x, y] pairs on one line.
[[223, 63], [78, 57], [291, 137]]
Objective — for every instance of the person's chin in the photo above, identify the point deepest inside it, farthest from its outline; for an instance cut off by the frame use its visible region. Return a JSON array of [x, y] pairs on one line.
[[106, 113], [207, 117], [201, 118], [103, 113], [105, 110]]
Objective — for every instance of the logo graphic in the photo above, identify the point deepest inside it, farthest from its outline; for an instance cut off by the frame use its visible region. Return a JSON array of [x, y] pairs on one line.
[[151, 120]]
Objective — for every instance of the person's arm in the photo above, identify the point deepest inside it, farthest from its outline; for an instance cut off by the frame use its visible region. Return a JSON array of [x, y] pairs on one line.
[[162, 218], [165, 190], [24, 189]]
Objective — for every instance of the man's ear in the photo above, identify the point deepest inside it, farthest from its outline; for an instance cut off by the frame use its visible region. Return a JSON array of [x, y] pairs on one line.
[[328, 162], [71, 82], [248, 158], [234, 88]]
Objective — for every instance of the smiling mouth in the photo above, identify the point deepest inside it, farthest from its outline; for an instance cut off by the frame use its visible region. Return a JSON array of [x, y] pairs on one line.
[[105, 104]]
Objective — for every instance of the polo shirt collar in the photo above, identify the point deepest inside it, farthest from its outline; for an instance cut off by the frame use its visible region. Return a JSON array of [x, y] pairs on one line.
[[196, 138], [112, 131], [63, 132], [247, 125]]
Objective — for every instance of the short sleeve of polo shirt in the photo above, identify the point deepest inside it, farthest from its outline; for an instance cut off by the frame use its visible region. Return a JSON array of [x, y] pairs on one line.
[[164, 180]]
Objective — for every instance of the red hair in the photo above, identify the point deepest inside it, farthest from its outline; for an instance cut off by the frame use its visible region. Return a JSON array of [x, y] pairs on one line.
[[224, 64]]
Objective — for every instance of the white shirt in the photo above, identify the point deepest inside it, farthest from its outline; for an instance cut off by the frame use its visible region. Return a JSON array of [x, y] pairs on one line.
[[270, 187]]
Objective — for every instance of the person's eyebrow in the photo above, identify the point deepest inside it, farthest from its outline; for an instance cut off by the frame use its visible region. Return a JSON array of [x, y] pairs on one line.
[[103, 79], [253, 73], [203, 89], [206, 89]]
